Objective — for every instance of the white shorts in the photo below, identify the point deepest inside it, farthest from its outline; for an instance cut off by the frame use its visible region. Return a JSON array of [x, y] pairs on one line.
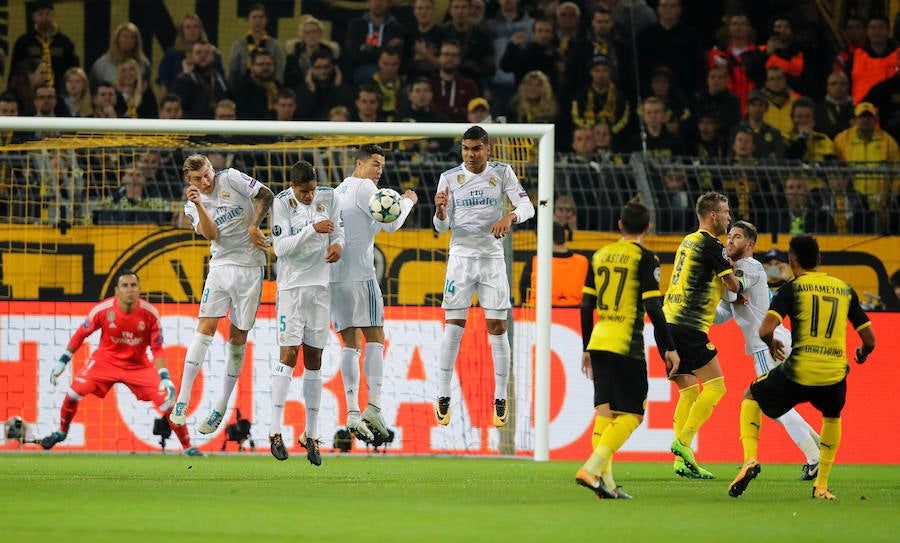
[[763, 361], [356, 304], [485, 276], [303, 316], [236, 288]]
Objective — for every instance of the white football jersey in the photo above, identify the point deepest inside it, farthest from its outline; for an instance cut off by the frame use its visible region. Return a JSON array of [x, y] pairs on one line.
[[358, 260], [231, 207], [476, 203], [749, 316], [301, 251]]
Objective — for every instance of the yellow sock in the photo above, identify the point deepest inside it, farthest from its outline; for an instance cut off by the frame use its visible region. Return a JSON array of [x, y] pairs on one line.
[[686, 398], [751, 420], [712, 392], [612, 439], [829, 440], [600, 424]]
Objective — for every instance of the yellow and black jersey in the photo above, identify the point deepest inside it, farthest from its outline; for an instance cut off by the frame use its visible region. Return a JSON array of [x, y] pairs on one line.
[[819, 307], [695, 288], [623, 274]]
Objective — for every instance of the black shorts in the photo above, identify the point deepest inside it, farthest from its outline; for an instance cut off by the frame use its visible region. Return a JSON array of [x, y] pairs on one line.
[[619, 381], [694, 348], [777, 394]]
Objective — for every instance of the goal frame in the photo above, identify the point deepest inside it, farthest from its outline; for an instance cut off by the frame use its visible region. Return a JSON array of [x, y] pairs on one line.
[[543, 133]]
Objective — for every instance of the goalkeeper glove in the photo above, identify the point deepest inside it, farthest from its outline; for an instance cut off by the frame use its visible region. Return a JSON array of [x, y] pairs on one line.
[[60, 367], [861, 355], [166, 385]]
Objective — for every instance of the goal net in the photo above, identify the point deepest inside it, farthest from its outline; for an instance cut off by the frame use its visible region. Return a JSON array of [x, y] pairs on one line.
[[90, 198]]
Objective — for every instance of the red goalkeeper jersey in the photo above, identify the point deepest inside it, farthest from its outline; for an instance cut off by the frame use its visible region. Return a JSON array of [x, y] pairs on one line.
[[124, 337]]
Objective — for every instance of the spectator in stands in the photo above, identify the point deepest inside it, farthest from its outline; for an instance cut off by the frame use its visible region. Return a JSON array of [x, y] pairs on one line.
[[674, 45], [426, 39], [568, 271], [574, 50], [781, 100], [135, 96], [45, 101], [339, 114], [510, 20], [800, 215], [717, 98], [742, 59], [55, 194], [391, 83], [885, 96], [170, 107], [201, 85], [323, 89], [105, 100], [603, 41], [835, 111], [767, 140], [778, 271], [534, 102], [750, 195], [368, 104], [854, 38], [479, 111], [677, 110], [583, 145], [601, 101], [476, 45], [309, 40], [537, 52], [452, 90], [872, 146], [564, 214], [256, 90], [420, 108], [632, 16], [803, 142], [9, 107], [784, 51], [675, 203], [240, 60], [367, 36], [31, 74], [710, 144], [285, 105], [125, 44], [190, 30], [132, 188], [842, 208], [875, 61], [76, 94], [43, 42], [659, 141], [603, 138]]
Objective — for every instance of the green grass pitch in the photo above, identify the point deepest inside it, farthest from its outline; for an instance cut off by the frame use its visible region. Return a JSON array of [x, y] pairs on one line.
[[59, 497]]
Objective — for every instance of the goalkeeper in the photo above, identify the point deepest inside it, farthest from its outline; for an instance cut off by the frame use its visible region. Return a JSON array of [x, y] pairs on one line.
[[128, 325]]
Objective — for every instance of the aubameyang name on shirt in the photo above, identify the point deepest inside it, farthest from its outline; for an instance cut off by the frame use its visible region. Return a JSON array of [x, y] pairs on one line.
[[824, 289], [228, 215]]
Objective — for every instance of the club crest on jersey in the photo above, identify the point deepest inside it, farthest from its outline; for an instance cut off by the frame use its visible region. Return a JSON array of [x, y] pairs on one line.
[[224, 194], [292, 203], [110, 316], [492, 181], [461, 178], [142, 326], [320, 207]]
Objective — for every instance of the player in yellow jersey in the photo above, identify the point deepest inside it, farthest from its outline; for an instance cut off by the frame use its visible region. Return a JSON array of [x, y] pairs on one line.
[[701, 270], [819, 307], [622, 284]]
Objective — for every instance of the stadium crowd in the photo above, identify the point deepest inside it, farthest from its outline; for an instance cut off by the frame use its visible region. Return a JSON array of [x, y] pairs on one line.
[[798, 131]]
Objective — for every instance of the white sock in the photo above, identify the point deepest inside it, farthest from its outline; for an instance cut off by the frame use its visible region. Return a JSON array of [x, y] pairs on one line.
[[281, 384], [802, 434], [312, 397], [350, 376], [232, 371], [196, 355], [447, 357], [500, 354], [373, 365]]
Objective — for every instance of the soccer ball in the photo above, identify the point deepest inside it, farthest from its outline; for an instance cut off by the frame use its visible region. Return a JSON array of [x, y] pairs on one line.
[[384, 205]]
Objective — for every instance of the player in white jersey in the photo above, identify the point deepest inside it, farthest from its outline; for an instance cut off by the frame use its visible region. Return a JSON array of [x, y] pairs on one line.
[[469, 203], [748, 313], [356, 302], [307, 237], [226, 208]]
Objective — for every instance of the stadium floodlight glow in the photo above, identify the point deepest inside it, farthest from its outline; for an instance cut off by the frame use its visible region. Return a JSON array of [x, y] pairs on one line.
[[543, 133]]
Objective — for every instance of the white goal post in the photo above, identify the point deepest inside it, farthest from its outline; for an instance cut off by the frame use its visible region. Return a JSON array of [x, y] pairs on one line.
[[543, 133]]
